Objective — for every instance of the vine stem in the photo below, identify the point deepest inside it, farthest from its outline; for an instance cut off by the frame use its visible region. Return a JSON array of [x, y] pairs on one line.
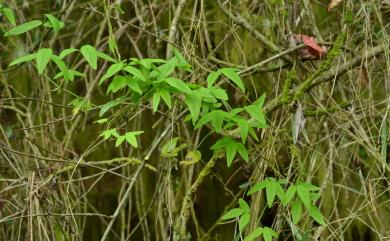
[[184, 212]]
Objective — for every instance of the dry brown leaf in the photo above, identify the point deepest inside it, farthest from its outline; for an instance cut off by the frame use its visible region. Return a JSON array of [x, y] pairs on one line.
[[333, 3]]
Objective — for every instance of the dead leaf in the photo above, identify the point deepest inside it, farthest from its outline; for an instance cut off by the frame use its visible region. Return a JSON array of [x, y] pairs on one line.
[[333, 3], [313, 47], [312, 51]]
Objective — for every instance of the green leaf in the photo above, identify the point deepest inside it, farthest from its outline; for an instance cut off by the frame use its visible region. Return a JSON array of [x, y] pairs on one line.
[[9, 14], [255, 112], [296, 211], [242, 151], [231, 150], [244, 129], [120, 140], [105, 56], [166, 97], [219, 93], [108, 133], [131, 138], [194, 103], [231, 74], [269, 233], [156, 101], [315, 213], [257, 187], [178, 84], [101, 121], [90, 54], [211, 78], [118, 83], [244, 205], [271, 190], [54, 23], [22, 59], [233, 213], [133, 85], [113, 69], [256, 233], [64, 69], [244, 220], [304, 195], [164, 70], [216, 117], [42, 57], [289, 195], [138, 74], [22, 28], [104, 108], [66, 52]]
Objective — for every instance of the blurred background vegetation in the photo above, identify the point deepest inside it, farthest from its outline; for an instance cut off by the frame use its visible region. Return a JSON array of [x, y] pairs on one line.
[[342, 147]]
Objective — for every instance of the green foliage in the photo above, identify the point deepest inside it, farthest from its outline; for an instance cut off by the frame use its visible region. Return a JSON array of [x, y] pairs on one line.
[[22, 28], [296, 196], [54, 23]]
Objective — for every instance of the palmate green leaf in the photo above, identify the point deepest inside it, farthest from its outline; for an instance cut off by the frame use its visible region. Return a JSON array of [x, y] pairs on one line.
[[104, 108], [22, 59], [233, 213], [54, 23], [315, 213], [244, 220], [9, 14], [194, 103], [156, 101], [256, 233], [112, 70], [42, 57], [22, 28], [90, 54], [231, 73], [296, 211], [179, 85], [211, 78]]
